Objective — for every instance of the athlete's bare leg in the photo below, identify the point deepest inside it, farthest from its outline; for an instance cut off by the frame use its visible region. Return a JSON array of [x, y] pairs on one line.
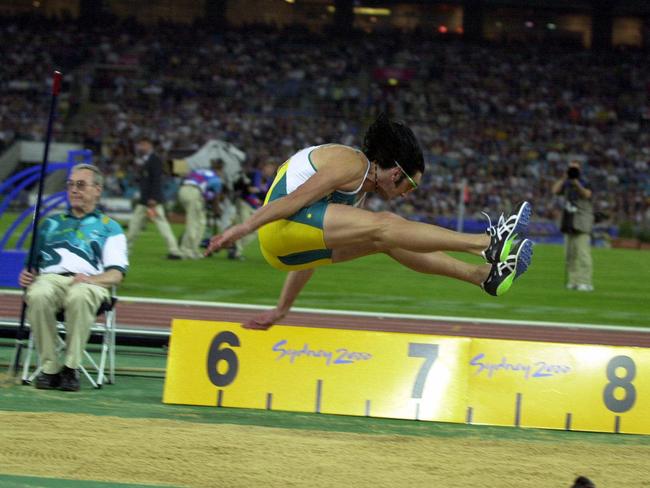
[[437, 263], [346, 226]]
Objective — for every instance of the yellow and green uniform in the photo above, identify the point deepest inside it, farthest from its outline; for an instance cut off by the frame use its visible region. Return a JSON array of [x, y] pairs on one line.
[[298, 242]]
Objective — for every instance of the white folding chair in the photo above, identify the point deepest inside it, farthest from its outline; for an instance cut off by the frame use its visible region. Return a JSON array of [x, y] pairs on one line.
[[89, 366]]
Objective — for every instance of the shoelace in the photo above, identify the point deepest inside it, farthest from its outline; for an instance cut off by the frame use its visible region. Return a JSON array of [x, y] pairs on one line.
[[492, 229], [507, 265]]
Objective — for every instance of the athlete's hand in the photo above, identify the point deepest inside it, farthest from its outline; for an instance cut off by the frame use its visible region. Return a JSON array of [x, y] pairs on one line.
[[264, 320], [227, 239]]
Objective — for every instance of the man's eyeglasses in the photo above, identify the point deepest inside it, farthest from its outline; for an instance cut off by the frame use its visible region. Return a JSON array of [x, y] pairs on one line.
[[79, 184], [411, 180]]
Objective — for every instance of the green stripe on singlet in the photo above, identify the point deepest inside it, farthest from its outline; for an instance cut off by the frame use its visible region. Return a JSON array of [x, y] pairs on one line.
[[312, 215], [305, 257], [279, 189]]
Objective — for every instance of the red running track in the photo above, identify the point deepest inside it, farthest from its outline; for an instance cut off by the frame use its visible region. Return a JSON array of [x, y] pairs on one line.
[[146, 315]]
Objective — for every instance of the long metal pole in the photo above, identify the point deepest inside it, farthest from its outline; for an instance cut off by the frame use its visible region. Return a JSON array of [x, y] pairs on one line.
[[21, 332]]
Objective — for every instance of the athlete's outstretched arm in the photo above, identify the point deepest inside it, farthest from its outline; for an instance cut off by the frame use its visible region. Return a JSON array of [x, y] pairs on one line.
[[309, 192], [331, 176], [293, 284]]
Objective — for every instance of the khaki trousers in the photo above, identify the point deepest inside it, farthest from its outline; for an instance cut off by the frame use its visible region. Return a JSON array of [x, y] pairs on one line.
[[579, 265], [242, 212], [192, 201], [50, 293], [139, 220]]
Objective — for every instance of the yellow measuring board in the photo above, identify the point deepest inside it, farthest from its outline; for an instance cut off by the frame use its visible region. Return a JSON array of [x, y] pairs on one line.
[[560, 386], [409, 376], [317, 370]]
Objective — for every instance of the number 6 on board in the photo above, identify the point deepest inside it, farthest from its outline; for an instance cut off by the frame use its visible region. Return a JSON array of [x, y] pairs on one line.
[[217, 354]]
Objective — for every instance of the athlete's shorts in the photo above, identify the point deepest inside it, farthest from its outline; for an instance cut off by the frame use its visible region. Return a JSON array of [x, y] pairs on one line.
[[297, 242]]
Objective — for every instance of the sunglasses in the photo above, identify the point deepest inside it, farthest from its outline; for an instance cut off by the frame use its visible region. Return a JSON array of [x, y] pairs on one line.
[[411, 180], [79, 184]]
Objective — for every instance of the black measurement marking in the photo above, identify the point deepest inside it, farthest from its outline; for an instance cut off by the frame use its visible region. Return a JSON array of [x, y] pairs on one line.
[[319, 392], [567, 422], [219, 398], [269, 400], [518, 410], [470, 413], [367, 408], [617, 424], [417, 411]]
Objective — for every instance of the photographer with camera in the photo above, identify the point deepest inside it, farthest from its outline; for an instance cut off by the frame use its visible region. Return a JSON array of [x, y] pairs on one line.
[[577, 223]]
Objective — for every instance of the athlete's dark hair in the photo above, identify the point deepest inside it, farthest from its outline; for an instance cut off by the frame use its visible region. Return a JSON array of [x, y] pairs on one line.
[[387, 141]]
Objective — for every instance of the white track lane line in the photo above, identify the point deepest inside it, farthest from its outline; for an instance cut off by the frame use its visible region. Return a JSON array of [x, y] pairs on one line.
[[376, 315]]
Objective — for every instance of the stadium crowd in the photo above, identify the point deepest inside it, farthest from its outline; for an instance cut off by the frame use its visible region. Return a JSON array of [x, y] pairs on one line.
[[506, 118], [39, 45]]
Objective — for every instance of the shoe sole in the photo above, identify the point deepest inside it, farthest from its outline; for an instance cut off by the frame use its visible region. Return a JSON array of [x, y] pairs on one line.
[[523, 259], [523, 219]]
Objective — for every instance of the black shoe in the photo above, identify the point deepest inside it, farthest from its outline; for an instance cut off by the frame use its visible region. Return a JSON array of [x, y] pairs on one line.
[[174, 257], [69, 379], [235, 255], [46, 381]]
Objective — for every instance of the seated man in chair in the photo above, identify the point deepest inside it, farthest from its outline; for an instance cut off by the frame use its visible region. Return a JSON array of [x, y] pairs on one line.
[[79, 255]]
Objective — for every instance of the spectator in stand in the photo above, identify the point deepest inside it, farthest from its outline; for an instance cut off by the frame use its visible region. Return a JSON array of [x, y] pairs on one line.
[[504, 117]]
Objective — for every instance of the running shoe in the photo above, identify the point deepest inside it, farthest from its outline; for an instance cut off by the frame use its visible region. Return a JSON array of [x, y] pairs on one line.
[[504, 273], [503, 234]]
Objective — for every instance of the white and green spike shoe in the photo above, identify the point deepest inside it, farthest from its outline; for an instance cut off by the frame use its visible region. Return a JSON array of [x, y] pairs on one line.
[[505, 232], [504, 273]]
